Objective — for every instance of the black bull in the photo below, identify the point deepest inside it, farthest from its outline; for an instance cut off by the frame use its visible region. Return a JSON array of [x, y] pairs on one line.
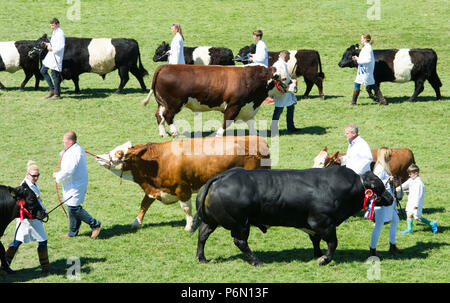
[[315, 200], [9, 210]]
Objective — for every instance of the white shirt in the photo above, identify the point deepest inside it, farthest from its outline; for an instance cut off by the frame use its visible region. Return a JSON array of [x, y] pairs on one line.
[[58, 42], [261, 56], [381, 173], [31, 230], [358, 157], [176, 53], [366, 66], [288, 98], [416, 195], [73, 174]]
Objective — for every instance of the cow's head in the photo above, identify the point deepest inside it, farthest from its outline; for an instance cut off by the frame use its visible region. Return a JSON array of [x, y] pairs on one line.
[[115, 160], [39, 48], [324, 159], [279, 82], [31, 201], [371, 181], [243, 54], [160, 53], [346, 60]]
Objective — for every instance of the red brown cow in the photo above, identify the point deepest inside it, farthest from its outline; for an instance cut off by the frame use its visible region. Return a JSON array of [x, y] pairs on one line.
[[401, 159], [237, 91], [171, 171]]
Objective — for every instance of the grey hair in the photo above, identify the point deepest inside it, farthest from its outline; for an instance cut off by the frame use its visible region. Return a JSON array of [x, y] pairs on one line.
[[353, 128]]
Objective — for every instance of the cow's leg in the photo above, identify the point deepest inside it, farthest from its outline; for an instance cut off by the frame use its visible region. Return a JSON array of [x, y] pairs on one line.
[[5, 264], [124, 77], [309, 86], [76, 82], [436, 84], [316, 245], [145, 204], [135, 71], [324, 228], [228, 118], [2, 87], [240, 240], [28, 76], [187, 208], [369, 91], [319, 82], [203, 233], [418, 88], [159, 114]]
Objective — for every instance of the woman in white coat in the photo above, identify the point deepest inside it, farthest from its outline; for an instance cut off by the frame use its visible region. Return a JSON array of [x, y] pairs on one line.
[[53, 60], [176, 52], [384, 214], [366, 66], [31, 229]]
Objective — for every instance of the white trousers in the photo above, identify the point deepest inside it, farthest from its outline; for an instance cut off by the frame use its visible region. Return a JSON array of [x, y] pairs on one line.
[[381, 216]]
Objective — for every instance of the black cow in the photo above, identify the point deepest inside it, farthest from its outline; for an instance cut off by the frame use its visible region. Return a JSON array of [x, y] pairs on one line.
[[400, 65], [14, 56], [100, 56], [315, 200], [201, 55], [302, 62], [10, 209]]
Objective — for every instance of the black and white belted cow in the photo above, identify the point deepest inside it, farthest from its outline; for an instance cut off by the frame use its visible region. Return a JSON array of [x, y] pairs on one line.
[[200, 55], [400, 65], [100, 56], [14, 56], [13, 202], [302, 62], [236, 91]]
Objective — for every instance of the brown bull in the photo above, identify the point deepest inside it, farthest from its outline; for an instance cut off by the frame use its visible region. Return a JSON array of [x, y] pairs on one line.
[[172, 171]]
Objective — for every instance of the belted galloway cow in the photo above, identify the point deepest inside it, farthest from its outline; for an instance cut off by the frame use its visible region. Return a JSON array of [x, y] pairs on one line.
[[171, 171], [314, 200], [13, 202], [100, 56], [400, 66], [14, 56]]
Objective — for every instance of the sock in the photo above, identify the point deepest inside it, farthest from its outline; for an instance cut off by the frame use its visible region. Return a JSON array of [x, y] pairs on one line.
[[409, 223], [425, 221]]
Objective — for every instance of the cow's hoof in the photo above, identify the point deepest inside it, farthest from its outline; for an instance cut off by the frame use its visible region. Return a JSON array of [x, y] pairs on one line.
[[257, 263], [203, 260], [118, 91], [324, 260], [8, 270], [137, 224], [322, 97]]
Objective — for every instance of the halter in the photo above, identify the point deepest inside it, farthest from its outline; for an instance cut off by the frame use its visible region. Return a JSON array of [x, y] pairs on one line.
[[110, 161], [21, 203], [278, 86]]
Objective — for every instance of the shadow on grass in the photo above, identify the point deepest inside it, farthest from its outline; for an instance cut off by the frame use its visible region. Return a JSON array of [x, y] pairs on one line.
[[92, 93], [404, 99], [419, 251], [123, 229], [58, 267]]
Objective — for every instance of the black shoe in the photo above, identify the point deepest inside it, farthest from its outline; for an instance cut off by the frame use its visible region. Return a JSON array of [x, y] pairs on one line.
[[293, 130]]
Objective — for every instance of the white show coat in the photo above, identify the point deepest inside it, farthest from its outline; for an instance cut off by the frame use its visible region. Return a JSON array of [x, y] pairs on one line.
[[73, 175], [261, 56], [358, 157], [31, 230], [389, 210], [288, 98], [58, 42], [416, 196], [176, 53], [366, 66]]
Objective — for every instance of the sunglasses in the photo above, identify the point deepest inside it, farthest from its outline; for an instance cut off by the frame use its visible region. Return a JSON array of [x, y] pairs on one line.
[[35, 176]]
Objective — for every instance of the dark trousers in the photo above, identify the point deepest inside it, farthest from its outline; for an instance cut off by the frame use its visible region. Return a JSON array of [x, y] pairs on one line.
[[77, 215], [289, 116], [56, 76]]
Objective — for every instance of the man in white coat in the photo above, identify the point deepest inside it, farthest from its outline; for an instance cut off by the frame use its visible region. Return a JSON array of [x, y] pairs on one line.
[[261, 55], [74, 178], [53, 60], [176, 52], [359, 155], [366, 66], [288, 99]]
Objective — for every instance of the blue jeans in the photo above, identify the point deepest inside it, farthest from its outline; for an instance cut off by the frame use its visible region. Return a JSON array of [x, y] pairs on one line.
[[289, 115], [17, 243], [372, 86], [56, 76], [77, 215]]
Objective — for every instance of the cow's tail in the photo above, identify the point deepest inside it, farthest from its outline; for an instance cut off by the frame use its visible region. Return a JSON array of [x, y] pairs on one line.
[[320, 74], [155, 77], [200, 202], [145, 101], [142, 70]]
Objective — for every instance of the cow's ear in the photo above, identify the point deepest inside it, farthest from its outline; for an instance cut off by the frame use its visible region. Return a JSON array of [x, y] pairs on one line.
[[356, 46]]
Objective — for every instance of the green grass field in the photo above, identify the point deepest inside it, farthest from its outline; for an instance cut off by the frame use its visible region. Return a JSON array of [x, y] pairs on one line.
[[32, 128]]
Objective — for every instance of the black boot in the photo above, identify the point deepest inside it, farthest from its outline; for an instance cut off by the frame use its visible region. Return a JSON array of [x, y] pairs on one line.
[[43, 259], [373, 253], [355, 96], [393, 249]]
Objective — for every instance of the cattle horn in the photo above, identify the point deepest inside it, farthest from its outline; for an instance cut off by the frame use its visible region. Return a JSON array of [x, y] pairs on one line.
[[119, 154]]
